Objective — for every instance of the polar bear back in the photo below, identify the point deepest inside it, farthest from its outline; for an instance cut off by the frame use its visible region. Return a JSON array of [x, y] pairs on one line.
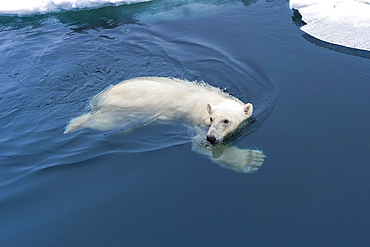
[[165, 97]]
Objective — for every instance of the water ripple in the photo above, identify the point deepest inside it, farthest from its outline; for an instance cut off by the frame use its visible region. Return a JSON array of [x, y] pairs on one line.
[[52, 75]]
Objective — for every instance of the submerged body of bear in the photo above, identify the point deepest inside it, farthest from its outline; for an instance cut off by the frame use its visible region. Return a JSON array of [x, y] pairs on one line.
[[166, 99]]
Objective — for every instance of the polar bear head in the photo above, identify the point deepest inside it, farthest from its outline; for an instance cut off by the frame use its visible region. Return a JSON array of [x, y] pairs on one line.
[[225, 118]]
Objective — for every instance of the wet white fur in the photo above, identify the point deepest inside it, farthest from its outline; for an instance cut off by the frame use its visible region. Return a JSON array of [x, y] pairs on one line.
[[167, 99], [164, 99]]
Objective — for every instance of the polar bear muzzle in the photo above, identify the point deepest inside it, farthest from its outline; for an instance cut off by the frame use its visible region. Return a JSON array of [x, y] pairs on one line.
[[212, 139], [225, 118]]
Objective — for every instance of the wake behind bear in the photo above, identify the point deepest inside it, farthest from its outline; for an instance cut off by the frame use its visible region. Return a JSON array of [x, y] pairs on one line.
[[166, 99]]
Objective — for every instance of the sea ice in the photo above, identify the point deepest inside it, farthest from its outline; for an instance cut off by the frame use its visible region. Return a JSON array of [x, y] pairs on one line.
[[341, 22], [27, 7]]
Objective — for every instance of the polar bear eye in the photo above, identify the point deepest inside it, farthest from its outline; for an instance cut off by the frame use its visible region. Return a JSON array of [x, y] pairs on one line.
[[211, 119], [226, 121]]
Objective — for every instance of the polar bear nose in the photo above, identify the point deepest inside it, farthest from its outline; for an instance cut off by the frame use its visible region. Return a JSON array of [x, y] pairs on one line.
[[212, 139]]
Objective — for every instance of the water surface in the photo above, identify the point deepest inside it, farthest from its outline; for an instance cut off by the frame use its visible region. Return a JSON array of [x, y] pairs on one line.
[[147, 188]]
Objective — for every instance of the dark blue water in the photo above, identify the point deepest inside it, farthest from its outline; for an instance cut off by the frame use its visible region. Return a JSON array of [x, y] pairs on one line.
[[147, 188]]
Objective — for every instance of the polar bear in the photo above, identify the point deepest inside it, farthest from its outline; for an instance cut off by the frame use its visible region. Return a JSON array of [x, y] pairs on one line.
[[166, 99]]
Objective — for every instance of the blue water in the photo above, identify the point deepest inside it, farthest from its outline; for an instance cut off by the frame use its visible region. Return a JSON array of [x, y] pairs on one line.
[[147, 188]]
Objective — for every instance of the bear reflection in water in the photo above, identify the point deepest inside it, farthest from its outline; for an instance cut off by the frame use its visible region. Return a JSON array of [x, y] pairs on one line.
[[215, 114]]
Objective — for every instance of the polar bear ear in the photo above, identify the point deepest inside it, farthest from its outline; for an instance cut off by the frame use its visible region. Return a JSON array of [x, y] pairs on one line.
[[248, 110], [209, 108]]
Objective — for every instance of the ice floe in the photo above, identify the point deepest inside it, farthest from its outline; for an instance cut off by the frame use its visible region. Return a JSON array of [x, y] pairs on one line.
[[28, 7], [340, 22]]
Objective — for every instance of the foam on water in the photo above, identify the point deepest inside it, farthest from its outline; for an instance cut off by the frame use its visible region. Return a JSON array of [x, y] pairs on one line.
[[27, 7], [341, 22]]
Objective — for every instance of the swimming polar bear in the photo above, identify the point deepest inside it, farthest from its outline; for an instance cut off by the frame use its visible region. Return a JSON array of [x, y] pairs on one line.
[[166, 99]]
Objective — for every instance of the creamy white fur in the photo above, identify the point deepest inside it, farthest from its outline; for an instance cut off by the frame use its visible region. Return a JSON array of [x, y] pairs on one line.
[[157, 98], [164, 99]]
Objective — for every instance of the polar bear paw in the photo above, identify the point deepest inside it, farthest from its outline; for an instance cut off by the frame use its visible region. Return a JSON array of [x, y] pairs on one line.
[[252, 161], [241, 160]]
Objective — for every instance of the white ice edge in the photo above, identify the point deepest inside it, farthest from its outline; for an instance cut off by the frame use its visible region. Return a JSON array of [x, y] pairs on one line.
[[341, 22], [28, 7]]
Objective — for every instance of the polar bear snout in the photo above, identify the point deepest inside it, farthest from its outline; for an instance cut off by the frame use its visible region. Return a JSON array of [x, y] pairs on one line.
[[212, 139]]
